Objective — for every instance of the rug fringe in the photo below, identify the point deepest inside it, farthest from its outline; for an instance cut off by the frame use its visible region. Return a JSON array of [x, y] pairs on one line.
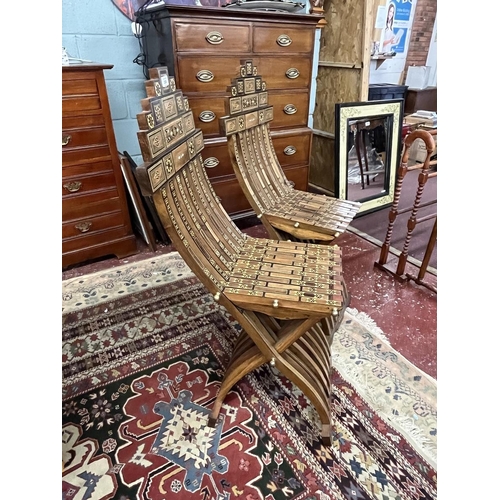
[[368, 322]]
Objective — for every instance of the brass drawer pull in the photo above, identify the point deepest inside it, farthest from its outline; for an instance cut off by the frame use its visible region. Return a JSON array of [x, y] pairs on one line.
[[292, 73], [72, 187], [214, 37], [83, 226], [205, 76], [66, 139], [290, 150], [290, 109], [206, 116], [211, 162], [284, 40]]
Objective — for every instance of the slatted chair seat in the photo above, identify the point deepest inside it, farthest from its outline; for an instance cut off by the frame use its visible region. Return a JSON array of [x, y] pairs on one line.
[[285, 212], [289, 297]]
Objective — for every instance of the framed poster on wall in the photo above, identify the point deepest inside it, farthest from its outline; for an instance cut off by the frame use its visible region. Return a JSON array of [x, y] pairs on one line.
[[397, 25]]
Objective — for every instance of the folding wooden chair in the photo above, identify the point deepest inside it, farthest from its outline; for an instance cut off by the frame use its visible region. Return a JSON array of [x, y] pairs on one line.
[[289, 297], [285, 212]]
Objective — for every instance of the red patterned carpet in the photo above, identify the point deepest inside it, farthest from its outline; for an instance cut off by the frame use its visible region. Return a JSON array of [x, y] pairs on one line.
[[144, 350]]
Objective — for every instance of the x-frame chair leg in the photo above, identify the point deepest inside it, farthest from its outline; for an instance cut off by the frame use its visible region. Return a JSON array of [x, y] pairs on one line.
[[298, 348]]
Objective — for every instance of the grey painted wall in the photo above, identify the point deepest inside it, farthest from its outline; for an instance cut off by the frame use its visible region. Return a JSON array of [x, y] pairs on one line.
[[99, 32]]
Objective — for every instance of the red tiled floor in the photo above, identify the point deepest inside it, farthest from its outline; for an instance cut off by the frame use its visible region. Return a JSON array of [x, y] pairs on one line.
[[406, 312]]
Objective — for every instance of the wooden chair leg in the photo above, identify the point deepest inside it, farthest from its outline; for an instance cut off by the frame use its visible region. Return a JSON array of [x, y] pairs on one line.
[[299, 349]]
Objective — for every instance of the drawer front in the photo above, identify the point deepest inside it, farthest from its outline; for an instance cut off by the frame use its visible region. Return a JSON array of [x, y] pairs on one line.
[[285, 73], [299, 176], [90, 225], [207, 112], [75, 105], [85, 155], [293, 149], [99, 167], [82, 122], [216, 160], [77, 138], [78, 87], [194, 37], [86, 184], [209, 74], [215, 74], [90, 205], [96, 239], [231, 196], [283, 40], [290, 109]]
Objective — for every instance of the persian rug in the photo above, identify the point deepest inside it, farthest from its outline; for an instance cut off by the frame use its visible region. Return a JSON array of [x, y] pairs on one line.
[[144, 348]]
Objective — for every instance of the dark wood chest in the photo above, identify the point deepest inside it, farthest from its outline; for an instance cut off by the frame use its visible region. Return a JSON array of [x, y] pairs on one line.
[[95, 217]]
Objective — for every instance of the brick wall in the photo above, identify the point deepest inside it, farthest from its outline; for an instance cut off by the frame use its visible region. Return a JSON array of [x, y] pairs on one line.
[[421, 34]]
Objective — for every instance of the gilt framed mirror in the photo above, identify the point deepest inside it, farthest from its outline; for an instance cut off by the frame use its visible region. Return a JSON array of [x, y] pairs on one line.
[[367, 151]]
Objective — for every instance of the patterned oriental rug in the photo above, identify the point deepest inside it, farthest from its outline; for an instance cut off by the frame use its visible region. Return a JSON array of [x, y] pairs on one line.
[[144, 349]]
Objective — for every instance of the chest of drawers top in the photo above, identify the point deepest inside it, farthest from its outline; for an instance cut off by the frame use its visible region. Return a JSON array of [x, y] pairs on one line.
[[219, 32]]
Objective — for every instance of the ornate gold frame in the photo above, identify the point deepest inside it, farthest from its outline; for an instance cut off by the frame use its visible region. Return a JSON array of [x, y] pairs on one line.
[[369, 110]]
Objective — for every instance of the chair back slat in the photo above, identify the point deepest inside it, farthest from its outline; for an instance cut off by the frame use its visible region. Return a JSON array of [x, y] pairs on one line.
[[247, 129], [174, 175]]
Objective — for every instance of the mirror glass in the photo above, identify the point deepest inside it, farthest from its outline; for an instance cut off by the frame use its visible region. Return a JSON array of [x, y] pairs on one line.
[[368, 146]]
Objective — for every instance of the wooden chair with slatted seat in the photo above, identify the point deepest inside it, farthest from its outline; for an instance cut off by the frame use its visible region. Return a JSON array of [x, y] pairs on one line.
[[289, 297], [285, 212]]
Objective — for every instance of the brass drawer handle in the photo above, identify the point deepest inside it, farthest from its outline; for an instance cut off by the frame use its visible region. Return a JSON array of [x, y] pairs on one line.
[[66, 139], [83, 226], [211, 162], [290, 150], [205, 76], [284, 40], [214, 37], [290, 109], [206, 116], [73, 187], [292, 73]]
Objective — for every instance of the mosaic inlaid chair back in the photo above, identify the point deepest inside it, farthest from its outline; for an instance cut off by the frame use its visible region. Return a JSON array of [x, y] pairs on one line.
[[287, 213], [173, 170], [289, 297]]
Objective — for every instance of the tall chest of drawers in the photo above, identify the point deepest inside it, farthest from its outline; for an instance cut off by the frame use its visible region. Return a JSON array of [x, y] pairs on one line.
[[95, 217], [203, 48]]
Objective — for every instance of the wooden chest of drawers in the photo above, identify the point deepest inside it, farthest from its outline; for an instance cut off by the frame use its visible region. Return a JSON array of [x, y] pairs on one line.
[[203, 48], [95, 217]]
